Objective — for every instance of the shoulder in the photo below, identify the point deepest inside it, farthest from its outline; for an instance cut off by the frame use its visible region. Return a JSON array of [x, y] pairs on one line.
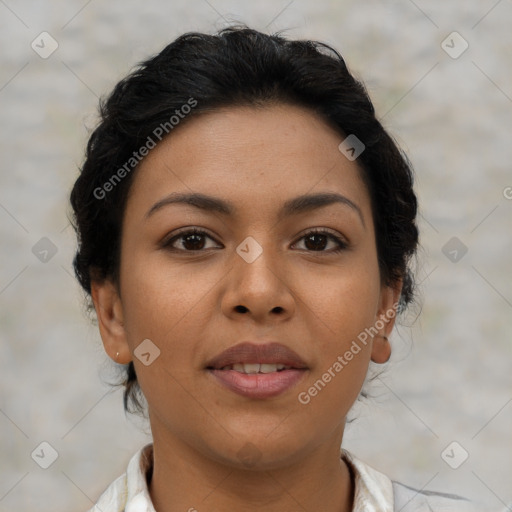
[[408, 499], [129, 491], [376, 491], [113, 498]]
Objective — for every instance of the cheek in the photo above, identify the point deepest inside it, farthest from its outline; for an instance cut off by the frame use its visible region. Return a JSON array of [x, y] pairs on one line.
[[171, 305], [343, 299], [339, 309], [343, 309], [159, 299], [164, 303]]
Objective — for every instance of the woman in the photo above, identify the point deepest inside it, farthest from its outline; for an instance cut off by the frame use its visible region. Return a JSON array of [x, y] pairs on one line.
[[245, 228]]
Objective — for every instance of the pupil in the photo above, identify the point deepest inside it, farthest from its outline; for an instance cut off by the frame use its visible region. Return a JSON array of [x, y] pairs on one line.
[[194, 243], [316, 246]]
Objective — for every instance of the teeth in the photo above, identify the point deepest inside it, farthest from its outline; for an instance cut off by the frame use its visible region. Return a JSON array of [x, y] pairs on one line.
[[267, 368], [252, 368]]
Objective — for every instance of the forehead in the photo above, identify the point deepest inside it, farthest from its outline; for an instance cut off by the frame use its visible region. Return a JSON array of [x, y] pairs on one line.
[[252, 156]]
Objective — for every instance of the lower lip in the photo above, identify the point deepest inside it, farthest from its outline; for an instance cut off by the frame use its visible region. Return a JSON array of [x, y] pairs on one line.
[[259, 385]]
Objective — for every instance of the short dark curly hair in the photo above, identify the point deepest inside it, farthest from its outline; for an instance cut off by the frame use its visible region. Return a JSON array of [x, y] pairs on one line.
[[237, 66]]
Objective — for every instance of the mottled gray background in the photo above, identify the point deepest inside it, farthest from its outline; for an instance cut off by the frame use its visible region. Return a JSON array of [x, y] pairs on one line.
[[451, 378]]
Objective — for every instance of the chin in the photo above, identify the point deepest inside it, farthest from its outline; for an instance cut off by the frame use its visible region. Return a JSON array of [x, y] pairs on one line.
[[259, 451]]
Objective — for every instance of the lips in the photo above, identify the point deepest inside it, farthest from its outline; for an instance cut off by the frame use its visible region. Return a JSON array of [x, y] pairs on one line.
[[257, 371], [248, 353]]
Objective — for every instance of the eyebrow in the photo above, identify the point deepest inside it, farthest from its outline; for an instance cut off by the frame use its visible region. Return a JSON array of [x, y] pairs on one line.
[[295, 206]]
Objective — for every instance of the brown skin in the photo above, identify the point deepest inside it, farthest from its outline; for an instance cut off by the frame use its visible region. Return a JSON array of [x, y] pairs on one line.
[[313, 301]]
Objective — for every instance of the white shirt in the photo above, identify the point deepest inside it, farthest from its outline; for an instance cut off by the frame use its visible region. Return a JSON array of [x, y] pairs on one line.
[[374, 491]]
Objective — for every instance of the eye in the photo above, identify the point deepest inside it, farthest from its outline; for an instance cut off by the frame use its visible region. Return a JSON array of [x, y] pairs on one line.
[[317, 239], [194, 239], [190, 240]]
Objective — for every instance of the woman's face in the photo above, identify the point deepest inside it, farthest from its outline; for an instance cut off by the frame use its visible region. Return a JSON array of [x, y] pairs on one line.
[[257, 275]]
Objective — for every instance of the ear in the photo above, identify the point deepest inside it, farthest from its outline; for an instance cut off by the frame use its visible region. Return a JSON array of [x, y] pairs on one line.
[[109, 311], [385, 321]]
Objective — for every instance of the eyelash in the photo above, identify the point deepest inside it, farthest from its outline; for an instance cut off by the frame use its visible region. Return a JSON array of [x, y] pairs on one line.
[[342, 245]]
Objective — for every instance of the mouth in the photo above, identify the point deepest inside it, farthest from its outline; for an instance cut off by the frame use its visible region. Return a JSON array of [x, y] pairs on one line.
[[257, 371], [253, 368]]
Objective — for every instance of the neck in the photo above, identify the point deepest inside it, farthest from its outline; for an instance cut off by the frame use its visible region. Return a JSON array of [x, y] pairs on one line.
[[185, 480]]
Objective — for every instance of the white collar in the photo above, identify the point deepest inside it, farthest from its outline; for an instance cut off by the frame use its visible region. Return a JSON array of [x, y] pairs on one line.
[[374, 491], [130, 493]]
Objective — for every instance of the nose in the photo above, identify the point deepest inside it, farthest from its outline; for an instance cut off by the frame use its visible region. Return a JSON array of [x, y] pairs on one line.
[[259, 289]]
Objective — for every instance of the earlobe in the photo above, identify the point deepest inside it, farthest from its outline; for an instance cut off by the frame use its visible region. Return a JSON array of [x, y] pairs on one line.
[[109, 311], [381, 348]]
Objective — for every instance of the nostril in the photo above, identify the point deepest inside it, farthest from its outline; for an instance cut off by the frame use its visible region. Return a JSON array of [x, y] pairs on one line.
[[241, 309]]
